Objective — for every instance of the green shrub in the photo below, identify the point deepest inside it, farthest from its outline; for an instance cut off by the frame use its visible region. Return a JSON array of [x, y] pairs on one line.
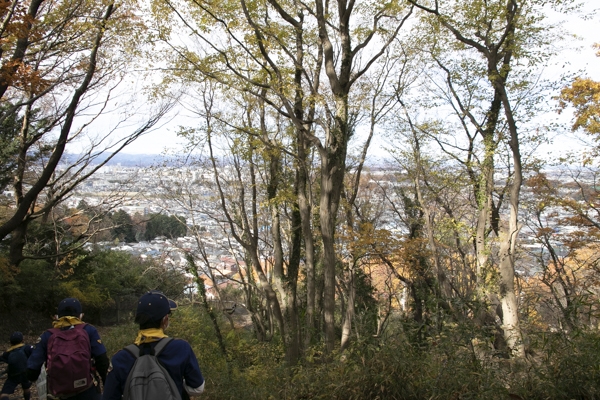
[[445, 367], [564, 367]]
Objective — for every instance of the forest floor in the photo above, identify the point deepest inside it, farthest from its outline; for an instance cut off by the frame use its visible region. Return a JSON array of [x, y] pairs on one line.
[[241, 317]]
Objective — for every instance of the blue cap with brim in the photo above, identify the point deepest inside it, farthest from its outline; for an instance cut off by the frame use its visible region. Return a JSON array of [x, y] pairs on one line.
[[16, 338], [154, 305], [70, 307]]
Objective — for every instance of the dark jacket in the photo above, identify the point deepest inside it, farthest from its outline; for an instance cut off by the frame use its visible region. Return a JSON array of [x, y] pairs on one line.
[[17, 361], [177, 357]]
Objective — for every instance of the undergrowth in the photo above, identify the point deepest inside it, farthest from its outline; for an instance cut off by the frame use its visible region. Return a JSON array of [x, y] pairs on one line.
[[445, 367]]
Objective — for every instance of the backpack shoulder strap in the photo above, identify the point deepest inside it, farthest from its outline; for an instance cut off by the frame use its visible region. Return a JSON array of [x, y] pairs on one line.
[[161, 345], [133, 350]]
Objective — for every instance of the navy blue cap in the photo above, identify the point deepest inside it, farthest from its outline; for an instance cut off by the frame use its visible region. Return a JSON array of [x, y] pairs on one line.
[[153, 306], [69, 307], [16, 338]]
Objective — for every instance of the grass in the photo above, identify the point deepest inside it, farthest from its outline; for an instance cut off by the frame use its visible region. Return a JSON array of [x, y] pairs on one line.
[[560, 367]]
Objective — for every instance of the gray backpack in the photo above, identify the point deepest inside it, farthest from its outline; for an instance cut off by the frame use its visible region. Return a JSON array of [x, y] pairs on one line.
[[148, 379]]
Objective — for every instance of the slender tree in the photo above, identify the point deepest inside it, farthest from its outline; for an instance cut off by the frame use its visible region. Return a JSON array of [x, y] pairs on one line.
[[280, 36], [500, 33]]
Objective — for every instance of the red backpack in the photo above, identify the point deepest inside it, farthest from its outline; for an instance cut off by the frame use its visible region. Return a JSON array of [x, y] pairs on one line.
[[69, 364]]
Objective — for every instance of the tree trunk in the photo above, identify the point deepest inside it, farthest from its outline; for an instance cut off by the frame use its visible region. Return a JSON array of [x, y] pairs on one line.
[[349, 314], [508, 298], [333, 166]]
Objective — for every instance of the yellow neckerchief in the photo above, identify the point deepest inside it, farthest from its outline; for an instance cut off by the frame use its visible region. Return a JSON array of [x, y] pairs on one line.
[[149, 335], [16, 346], [63, 322]]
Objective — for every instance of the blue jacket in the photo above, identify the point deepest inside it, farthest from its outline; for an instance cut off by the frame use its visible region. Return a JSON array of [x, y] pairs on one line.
[[177, 358], [17, 361]]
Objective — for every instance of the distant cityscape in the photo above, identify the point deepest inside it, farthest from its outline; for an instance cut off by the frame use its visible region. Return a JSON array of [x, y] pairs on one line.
[[136, 181]]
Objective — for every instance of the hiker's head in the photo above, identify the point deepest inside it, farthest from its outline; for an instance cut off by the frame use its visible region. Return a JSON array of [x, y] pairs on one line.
[[69, 307], [16, 338], [153, 310]]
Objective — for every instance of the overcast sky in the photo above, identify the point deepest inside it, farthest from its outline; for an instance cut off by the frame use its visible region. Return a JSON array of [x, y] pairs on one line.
[[577, 56]]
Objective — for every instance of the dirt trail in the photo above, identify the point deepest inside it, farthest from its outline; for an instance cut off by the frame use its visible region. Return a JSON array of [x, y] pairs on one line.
[[18, 394]]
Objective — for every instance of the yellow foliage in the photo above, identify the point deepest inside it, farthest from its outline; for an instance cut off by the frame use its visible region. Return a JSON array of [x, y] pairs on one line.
[[584, 95], [573, 282]]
